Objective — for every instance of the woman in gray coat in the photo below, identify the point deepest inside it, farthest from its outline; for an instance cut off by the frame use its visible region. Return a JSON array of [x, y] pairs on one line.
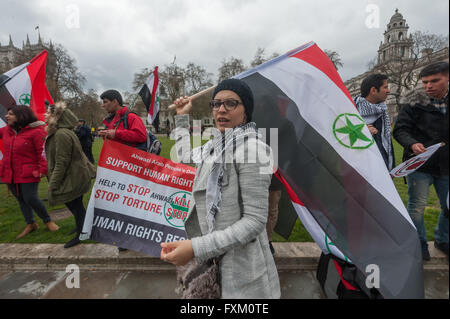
[[230, 191]]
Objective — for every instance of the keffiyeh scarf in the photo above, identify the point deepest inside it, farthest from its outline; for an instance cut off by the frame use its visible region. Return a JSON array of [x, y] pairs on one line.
[[370, 113], [216, 151]]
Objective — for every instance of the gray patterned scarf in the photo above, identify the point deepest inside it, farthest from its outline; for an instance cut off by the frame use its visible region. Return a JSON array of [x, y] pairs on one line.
[[218, 151], [370, 113]]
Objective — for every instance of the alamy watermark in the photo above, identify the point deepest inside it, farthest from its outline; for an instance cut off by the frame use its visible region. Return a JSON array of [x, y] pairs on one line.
[[73, 279], [73, 16], [373, 277], [373, 19]]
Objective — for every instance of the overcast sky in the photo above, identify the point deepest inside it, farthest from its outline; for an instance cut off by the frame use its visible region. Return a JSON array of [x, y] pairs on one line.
[[111, 40]]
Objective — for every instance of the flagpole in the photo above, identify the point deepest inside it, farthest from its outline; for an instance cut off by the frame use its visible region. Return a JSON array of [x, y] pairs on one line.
[[195, 96], [132, 104]]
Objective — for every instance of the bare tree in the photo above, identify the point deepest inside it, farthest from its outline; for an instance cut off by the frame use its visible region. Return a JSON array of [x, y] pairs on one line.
[[403, 70], [64, 81], [87, 106], [261, 58], [335, 58], [426, 40], [197, 78], [230, 68], [172, 81]]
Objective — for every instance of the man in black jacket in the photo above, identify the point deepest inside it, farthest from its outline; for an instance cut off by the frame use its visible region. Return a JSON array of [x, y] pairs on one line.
[[422, 122], [85, 136]]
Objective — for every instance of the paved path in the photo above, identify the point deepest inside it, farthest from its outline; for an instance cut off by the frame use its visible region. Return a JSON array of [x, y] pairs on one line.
[[124, 285], [39, 271], [158, 285]]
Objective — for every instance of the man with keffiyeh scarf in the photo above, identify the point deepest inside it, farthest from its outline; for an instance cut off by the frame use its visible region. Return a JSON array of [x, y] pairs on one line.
[[373, 109]]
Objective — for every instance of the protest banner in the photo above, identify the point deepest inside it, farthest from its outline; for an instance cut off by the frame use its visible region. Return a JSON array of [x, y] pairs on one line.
[[415, 162], [139, 200]]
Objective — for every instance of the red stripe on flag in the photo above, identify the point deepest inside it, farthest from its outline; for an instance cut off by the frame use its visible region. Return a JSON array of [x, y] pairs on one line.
[[317, 58], [294, 198], [344, 282], [39, 92], [151, 110]]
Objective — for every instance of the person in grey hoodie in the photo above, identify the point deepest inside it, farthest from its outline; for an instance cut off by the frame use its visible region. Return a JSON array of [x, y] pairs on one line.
[[231, 189]]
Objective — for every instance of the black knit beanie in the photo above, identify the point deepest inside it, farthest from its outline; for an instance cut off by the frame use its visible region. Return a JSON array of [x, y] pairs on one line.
[[242, 90]]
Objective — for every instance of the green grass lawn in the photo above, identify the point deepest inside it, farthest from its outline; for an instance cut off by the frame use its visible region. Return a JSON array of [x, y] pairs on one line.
[[12, 222]]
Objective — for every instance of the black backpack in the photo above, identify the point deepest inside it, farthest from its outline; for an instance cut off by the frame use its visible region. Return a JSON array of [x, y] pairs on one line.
[[152, 145]]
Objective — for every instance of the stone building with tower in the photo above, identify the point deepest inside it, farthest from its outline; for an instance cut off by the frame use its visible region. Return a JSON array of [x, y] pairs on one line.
[[396, 54], [11, 56]]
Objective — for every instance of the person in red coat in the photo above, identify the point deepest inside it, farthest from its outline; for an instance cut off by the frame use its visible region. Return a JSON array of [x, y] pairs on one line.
[[134, 136], [24, 164], [115, 130]]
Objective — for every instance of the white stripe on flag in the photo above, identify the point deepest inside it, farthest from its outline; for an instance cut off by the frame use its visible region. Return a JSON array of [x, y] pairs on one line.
[[150, 81], [320, 102], [316, 232], [11, 73], [18, 85]]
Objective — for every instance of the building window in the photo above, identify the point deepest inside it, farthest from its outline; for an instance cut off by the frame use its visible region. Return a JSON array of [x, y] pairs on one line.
[[400, 36]]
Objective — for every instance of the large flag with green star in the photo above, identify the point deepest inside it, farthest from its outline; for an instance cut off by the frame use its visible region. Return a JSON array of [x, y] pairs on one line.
[[150, 95], [25, 85], [333, 171]]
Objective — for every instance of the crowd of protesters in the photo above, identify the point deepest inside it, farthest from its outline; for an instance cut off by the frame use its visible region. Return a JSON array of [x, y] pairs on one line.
[[236, 235]]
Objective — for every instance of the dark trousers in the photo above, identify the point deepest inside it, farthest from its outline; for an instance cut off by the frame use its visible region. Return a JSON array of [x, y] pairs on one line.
[[88, 152], [76, 207], [27, 196]]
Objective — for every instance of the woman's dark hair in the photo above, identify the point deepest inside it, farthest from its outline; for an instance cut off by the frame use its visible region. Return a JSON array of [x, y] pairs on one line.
[[24, 116]]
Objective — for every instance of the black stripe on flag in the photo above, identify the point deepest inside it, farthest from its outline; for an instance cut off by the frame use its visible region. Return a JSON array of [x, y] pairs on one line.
[[6, 100], [362, 223], [132, 233], [146, 96]]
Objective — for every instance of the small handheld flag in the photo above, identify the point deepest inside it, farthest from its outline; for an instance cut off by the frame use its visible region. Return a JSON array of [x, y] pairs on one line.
[[150, 95], [415, 162]]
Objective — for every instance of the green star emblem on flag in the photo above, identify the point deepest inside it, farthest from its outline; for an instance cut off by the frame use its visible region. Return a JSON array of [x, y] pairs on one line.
[[25, 99], [329, 243], [348, 130]]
